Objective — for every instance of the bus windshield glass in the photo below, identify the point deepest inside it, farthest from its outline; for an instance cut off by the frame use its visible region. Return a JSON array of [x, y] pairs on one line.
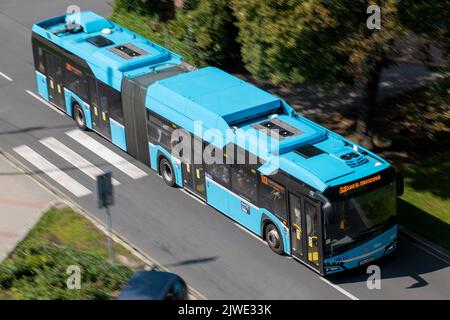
[[359, 218]]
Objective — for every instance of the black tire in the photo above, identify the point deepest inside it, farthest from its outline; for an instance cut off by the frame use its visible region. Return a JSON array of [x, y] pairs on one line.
[[166, 171], [78, 116], [274, 239]]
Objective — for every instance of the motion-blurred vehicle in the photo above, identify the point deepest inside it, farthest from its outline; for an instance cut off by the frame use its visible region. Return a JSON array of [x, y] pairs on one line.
[[154, 285]]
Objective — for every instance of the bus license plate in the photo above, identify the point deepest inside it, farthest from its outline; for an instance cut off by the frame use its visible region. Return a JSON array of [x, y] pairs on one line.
[[366, 261]]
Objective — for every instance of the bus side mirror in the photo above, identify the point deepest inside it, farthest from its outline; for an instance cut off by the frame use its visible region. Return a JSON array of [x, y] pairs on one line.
[[329, 214], [400, 184]]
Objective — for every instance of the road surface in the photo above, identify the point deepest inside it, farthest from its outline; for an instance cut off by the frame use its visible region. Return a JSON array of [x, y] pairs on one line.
[[214, 255]]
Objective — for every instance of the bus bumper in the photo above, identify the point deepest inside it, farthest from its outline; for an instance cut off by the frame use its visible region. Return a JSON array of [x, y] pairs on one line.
[[364, 254]]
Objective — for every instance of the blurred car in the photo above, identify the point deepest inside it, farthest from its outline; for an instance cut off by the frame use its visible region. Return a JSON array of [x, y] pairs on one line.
[[154, 285]]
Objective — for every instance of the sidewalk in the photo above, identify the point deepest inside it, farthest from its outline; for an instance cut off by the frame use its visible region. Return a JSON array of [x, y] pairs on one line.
[[22, 202]]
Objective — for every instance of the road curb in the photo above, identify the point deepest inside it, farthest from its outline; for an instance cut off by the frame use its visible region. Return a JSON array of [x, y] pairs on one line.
[[428, 245], [64, 199]]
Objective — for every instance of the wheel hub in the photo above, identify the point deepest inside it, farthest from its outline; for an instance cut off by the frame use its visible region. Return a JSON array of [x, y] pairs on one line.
[[80, 118], [167, 172], [273, 238]]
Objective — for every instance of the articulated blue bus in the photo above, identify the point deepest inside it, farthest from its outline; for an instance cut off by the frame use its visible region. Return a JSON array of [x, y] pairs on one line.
[[317, 196]]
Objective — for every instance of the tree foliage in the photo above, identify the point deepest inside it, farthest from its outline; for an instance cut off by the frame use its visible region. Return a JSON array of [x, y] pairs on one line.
[[292, 41], [162, 8], [430, 18], [208, 29], [203, 31], [318, 41]]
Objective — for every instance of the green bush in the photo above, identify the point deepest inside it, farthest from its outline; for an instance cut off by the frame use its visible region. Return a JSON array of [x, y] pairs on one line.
[[203, 31], [209, 32], [39, 272], [146, 7]]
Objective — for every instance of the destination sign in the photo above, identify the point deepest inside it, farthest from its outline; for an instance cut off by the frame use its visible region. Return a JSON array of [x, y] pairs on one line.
[[359, 184]]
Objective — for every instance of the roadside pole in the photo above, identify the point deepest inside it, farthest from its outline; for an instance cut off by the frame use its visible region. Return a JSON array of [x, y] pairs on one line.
[[105, 194], [110, 242]]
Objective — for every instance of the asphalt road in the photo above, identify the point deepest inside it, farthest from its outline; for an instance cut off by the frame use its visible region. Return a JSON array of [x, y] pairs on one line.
[[207, 249]]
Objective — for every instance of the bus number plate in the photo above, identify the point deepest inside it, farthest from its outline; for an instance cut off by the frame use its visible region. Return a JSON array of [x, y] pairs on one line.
[[366, 261]]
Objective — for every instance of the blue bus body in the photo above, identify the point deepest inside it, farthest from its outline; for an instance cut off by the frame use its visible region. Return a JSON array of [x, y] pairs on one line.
[[126, 86]]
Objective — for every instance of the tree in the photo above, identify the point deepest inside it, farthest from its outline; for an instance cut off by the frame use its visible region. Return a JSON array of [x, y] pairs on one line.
[[202, 31], [207, 28], [164, 9], [325, 42], [429, 18]]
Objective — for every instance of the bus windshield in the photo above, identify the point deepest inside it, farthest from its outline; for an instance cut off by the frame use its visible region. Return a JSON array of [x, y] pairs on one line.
[[359, 218]]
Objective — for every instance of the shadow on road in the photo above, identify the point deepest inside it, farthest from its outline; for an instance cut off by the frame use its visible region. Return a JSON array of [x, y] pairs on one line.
[[33, 129], [192, 261]]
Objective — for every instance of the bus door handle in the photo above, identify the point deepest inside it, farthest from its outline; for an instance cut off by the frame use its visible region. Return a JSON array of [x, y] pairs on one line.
[[52, 84], [198, 174], [312, 241], [104, 116]]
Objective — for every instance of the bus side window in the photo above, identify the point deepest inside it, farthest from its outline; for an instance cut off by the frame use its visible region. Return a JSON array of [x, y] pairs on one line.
[[272, 196], [219, 171], [40, 64], [159, 132], [244, 181], [76, 81]]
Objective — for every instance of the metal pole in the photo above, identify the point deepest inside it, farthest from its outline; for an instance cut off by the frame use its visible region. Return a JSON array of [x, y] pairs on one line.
[[110, 242]]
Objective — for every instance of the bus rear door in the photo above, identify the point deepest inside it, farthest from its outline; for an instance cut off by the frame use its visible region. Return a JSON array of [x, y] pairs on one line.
[[55, 79]]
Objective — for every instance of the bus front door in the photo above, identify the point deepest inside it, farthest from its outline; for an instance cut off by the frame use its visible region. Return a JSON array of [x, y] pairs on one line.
[[304, 229], [55, 80]]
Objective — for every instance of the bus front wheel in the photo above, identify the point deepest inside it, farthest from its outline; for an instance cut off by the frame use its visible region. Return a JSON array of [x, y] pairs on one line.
[[166, 171], [78, 115], [273, 239]]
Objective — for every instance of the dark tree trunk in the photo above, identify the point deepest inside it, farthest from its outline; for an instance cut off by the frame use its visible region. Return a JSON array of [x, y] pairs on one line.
[[369, 101]]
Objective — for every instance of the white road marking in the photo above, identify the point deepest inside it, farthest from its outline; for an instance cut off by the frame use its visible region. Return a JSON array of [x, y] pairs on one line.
[[106, 154], [6, 77], [44, 102], [74, 158], [249, 232], [52, 171], [192, 196], [345, 292]]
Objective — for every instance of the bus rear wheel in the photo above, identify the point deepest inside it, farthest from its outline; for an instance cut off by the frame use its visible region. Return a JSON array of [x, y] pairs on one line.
[[78, 115], [273, 239], [166, 171]]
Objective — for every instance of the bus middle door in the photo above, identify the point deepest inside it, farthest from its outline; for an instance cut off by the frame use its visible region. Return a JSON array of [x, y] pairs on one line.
[[99, 108], [55, 79]]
